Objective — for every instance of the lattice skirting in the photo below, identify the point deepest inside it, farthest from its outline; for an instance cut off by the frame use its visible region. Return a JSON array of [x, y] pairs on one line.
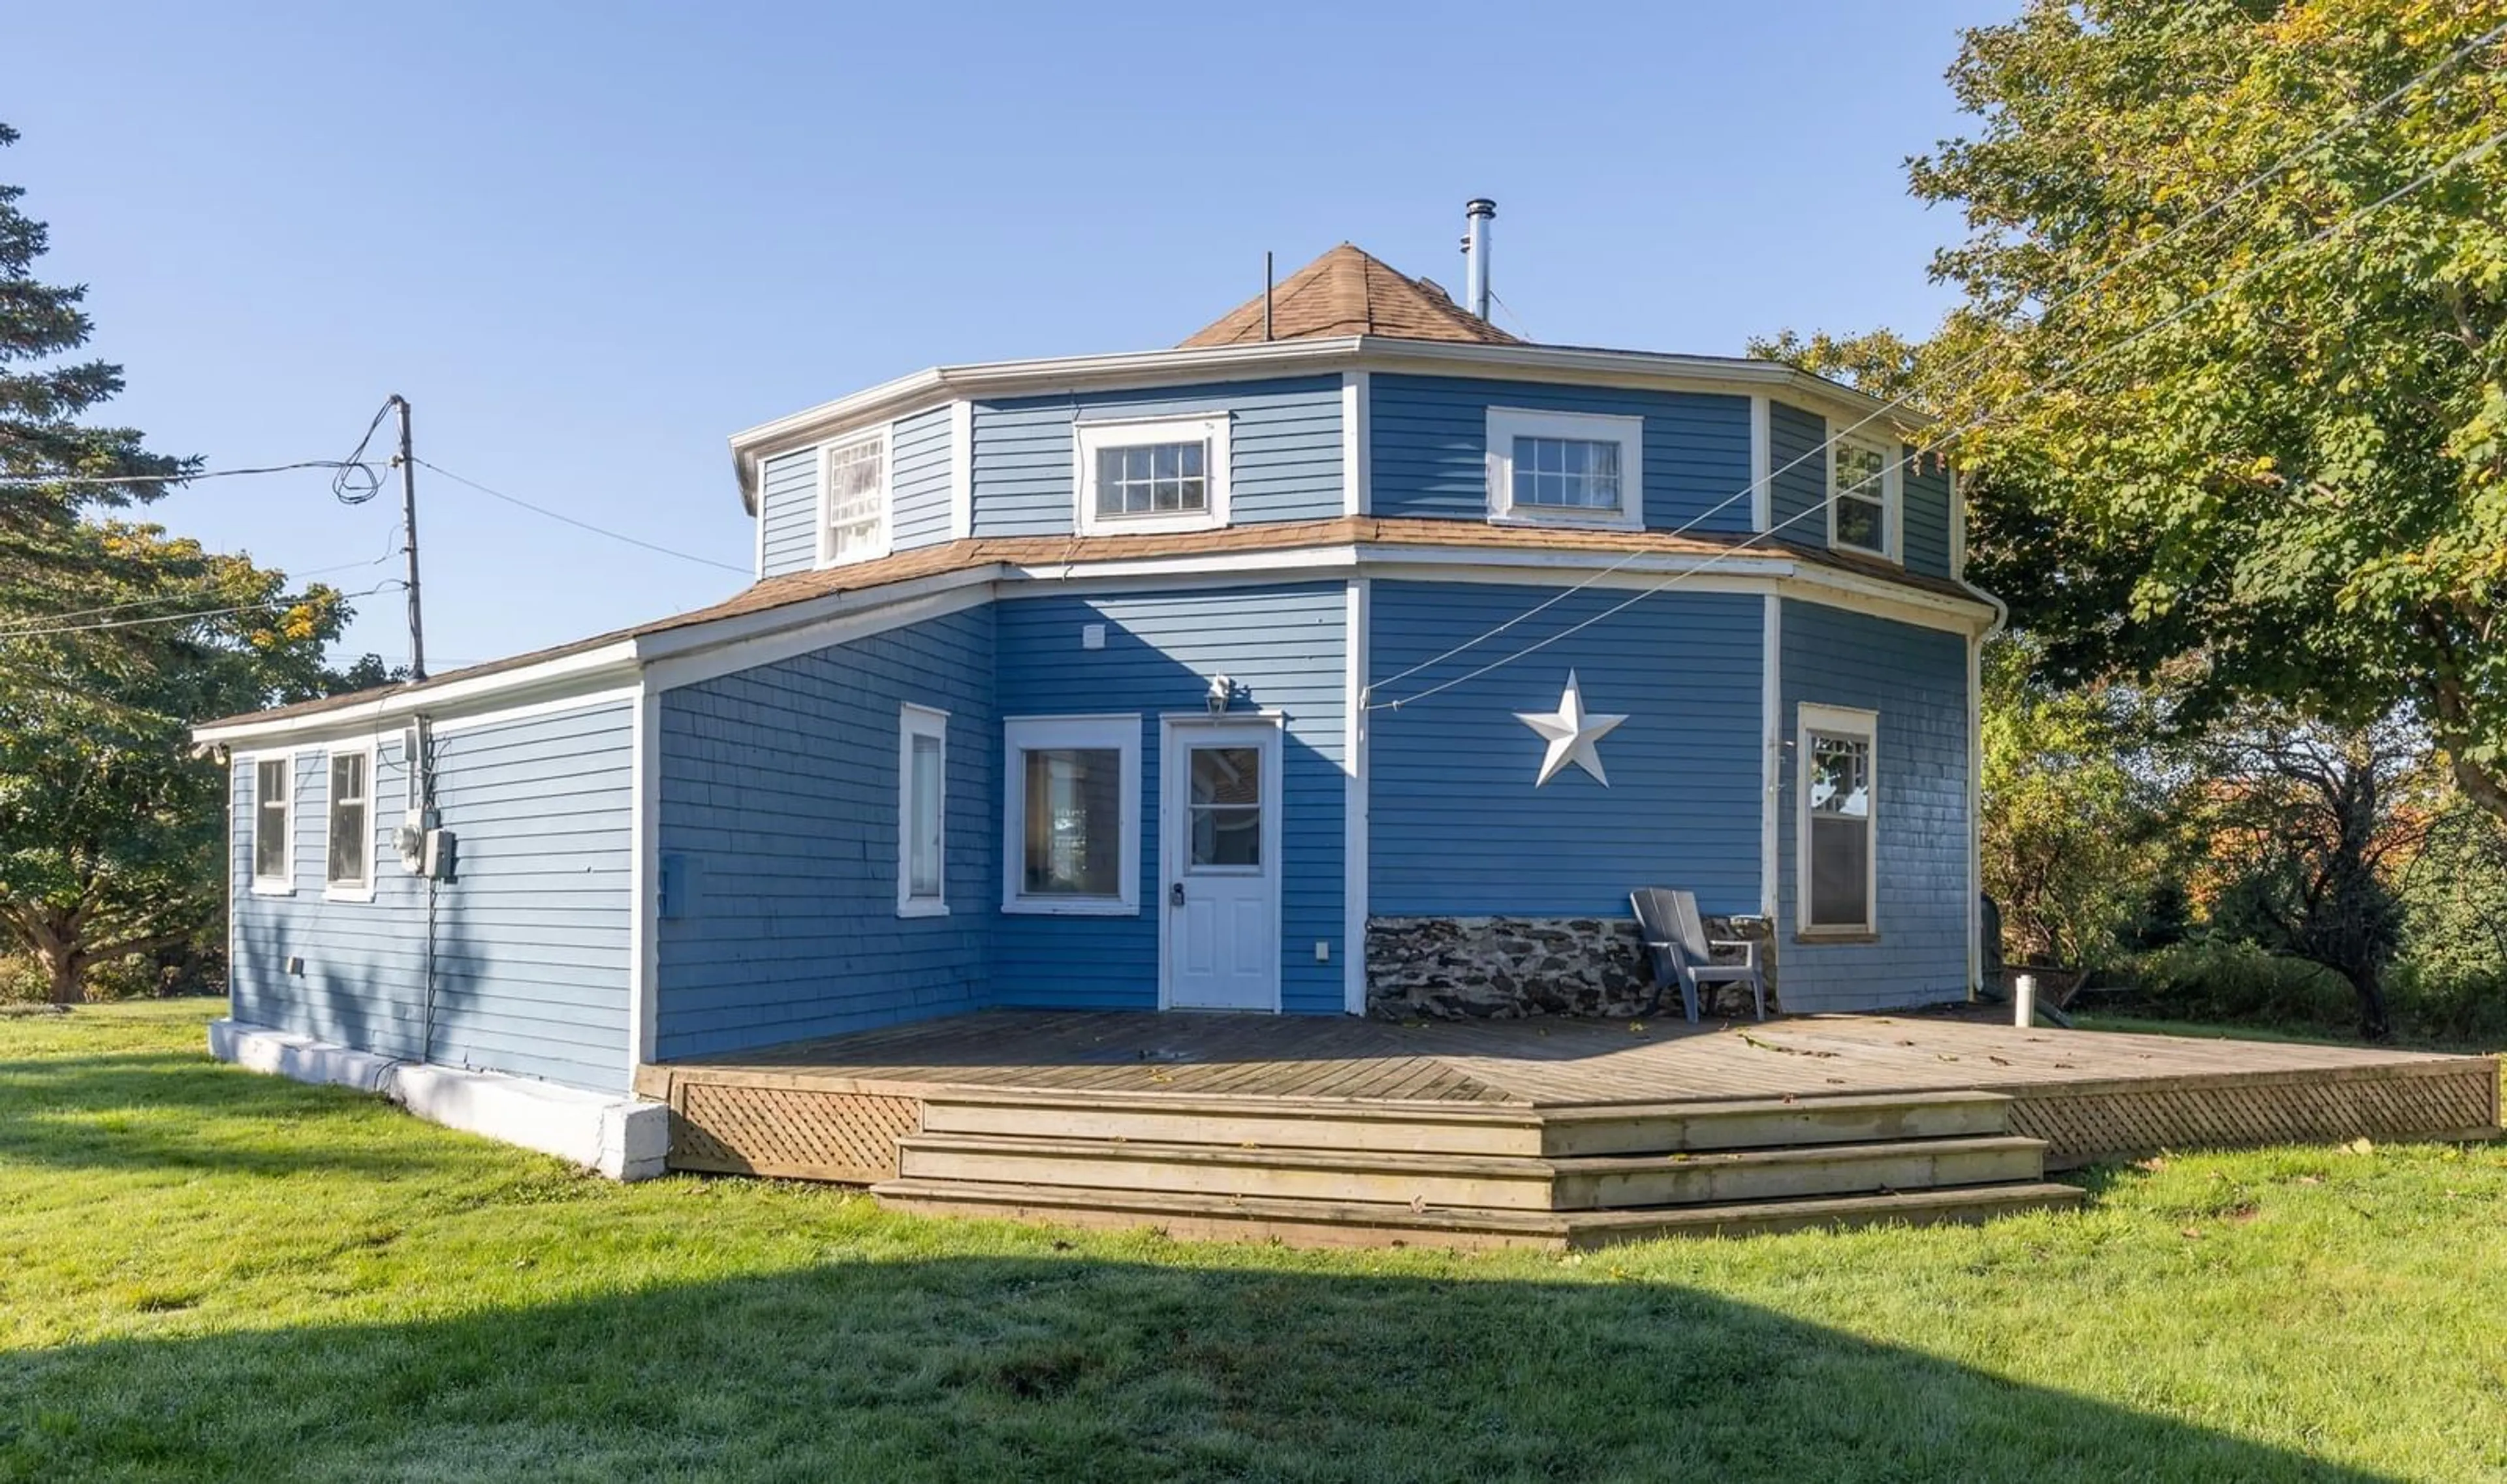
[[2083, 1124], [846, 1137]]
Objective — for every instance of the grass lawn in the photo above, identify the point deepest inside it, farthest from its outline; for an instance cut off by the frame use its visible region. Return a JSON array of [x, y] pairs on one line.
[[206, 1273]]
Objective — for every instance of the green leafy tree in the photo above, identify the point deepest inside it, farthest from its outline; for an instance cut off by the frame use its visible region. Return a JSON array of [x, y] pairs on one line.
[[113, 636], [2292, 486]]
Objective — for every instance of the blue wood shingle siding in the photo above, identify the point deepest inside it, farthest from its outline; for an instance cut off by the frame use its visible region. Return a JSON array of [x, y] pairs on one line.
[[530, 943], [1797, 470], [1430, 446], [919, 508], [1455, 825], [1284, 646], [1917, 680], [779, 793], [787, 492], [1284, 436], [1928, 514]]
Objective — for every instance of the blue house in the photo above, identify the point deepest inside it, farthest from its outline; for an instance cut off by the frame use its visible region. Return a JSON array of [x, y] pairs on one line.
[[1353, 654]]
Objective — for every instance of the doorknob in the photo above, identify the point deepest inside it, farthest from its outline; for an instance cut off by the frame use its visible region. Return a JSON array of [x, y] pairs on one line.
[[1174, 895]]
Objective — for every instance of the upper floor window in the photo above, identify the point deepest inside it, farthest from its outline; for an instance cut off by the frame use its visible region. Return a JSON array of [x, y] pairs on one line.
[[852, 499], [1863, 493], [1566, 468], [1163, 474]]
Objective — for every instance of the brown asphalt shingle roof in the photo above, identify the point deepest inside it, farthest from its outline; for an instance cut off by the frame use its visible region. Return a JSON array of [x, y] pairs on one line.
[[1045, 552], [1348, 292]]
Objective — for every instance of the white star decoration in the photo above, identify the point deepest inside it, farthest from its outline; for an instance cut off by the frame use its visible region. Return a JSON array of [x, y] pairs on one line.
[[1570, 735]]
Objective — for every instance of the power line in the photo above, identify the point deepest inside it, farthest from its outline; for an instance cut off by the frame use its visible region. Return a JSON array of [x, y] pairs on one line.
[[10, 627], [33, 480], [598, 530], [2347, 219], [2250, 183], [179, 618]]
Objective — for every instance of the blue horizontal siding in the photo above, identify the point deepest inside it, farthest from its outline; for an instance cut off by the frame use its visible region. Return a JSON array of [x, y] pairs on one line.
[[1284, 647], [1283, 439], [1429, 445], [1455, 823], [919, 504], [530, 943], [788, 498], [1928, 514], [779, 785], [1797, 466], [1917, 680]]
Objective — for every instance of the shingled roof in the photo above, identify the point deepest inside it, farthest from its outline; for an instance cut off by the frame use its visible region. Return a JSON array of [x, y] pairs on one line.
[[1348, 292]]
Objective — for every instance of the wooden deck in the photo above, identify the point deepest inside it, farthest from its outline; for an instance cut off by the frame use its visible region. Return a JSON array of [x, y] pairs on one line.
[[834, 1108]]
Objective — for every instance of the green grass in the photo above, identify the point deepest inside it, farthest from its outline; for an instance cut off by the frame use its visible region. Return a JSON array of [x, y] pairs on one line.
[[206, 1273]]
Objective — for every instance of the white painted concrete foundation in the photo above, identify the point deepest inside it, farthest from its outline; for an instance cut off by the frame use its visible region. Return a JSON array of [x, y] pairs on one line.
[[621, 1137]]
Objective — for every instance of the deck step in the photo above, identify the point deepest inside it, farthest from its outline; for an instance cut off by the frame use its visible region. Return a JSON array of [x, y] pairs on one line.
[[1480, 1182], [1197, 1216], [1390, 1128], [1768, 1123]]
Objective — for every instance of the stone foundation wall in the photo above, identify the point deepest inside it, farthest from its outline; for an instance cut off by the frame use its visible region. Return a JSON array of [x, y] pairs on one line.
[[1511, 968]]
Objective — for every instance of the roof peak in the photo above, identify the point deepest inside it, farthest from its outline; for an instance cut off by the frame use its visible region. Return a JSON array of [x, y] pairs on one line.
[[1351, 291]]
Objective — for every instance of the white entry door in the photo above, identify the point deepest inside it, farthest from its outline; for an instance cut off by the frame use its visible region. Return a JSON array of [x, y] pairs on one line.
[[1221, 855]]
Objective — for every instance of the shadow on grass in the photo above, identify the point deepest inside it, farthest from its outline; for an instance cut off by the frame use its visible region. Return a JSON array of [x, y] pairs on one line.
[[1083, 1369], [108, 1111]]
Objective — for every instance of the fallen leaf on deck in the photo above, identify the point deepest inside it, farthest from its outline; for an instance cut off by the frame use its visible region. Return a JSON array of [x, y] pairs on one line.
[[1995, 1060]]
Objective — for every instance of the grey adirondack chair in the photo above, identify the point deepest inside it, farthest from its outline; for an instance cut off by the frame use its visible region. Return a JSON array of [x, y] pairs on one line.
[[1678, 949]]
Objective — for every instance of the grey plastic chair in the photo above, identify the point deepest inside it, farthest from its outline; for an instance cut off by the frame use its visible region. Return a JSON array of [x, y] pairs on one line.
[[1678, 949]]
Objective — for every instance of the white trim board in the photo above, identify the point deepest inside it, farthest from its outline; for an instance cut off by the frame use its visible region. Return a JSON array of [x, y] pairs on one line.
[[1202, 365], [1771, 760], [643, 881], [1357, 442], [1355, 661]]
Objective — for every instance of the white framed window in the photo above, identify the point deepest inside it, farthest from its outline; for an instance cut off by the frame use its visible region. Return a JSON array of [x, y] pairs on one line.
[[1865, 494], [1566, 468], [273, 821], [853, 480], [1154, 474], [1070, 815], [348, 831], [922, 811], [1837, 859]]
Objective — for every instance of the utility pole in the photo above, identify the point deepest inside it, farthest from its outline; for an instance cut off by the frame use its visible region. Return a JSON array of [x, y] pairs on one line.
[[409, 540]]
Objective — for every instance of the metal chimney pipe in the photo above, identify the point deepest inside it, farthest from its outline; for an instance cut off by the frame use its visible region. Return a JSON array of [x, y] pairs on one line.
[[1476, 216]]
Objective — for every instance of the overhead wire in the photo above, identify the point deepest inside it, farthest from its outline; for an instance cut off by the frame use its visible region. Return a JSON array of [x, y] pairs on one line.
[[2104, 275], [2347, 219], [581, 525], [178, 618]]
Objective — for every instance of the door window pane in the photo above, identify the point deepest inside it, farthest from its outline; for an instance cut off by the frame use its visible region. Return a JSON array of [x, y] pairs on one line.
[[1839, 802], [1075, 822], [1226, 805]]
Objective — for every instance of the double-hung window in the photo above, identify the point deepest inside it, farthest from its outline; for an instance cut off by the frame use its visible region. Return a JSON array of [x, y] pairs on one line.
[[1566, 468], [921, 812], [852, 499], [349, 853], [273, 845], [1161, 474], [1864, 482], [1071, 814], [1840, 787]]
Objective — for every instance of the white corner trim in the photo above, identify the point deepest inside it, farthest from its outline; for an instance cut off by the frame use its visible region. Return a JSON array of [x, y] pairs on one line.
[[1763, 454], [1354, 804], [961, 469], [1771, 761], [643, 879], [1120, 731], [1508, 423], [621, 1137], [884, 543], [1356, 438], [1974, 812], [1091, 436], [1958, 525]]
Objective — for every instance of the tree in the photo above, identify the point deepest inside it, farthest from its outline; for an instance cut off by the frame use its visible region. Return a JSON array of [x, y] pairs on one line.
[[2274, 450], [2075, 811], [2315, 818], [113, 638]]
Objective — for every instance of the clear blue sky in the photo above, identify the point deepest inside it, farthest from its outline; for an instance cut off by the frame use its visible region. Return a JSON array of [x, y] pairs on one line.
[[589, 243]]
